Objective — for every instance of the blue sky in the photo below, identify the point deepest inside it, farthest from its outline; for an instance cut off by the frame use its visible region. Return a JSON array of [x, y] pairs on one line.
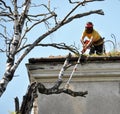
[[69, 34]]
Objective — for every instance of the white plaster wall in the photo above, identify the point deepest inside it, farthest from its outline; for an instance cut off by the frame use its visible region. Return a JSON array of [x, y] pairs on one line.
[[102, 98], [101, 80]]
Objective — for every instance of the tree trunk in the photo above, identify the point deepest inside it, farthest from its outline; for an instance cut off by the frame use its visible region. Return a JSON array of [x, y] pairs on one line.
[[18, 25]]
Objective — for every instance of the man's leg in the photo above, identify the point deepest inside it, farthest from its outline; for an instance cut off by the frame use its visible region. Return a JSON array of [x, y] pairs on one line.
[[99, 49], [92, 50]]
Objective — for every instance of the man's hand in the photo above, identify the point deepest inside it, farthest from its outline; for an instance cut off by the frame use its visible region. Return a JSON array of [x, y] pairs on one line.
[[84, 50], [86, 42]]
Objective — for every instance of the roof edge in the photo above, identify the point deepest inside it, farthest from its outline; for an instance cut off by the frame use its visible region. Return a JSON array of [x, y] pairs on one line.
[[83, 59]]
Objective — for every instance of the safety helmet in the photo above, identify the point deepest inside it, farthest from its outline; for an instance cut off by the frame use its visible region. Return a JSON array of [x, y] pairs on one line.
[[89, 25]]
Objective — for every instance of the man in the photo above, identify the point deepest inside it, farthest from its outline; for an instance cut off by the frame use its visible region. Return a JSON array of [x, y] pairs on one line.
[[95, 42]]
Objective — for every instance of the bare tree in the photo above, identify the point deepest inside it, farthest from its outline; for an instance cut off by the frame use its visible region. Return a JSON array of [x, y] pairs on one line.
[[17, 15]]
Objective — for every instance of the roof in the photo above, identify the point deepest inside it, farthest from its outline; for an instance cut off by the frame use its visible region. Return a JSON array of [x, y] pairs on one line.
[[59, 59]]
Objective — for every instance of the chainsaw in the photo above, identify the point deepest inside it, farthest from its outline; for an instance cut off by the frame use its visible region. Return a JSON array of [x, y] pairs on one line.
[[86, 42]]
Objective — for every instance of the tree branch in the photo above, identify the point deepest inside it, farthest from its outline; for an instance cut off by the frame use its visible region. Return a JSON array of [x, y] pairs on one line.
[[28, 99], [1, 50], [16, 105], [4, 13], [70, 1], [48, 91], [78, 4], [100, 12], [38, 22], [31, 94], [71, 48], [8, 7]]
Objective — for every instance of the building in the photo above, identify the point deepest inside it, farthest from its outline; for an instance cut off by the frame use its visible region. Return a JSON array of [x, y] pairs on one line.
[[100, 76]]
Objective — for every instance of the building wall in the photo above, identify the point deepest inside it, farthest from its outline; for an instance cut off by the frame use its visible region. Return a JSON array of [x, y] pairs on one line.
[[102, 98], [101, 80]]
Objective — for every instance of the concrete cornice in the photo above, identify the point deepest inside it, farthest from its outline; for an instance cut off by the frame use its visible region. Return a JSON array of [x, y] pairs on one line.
[[91, 69]]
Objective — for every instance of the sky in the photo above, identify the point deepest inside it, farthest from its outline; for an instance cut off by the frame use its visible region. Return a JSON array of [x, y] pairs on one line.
[[70, 34]]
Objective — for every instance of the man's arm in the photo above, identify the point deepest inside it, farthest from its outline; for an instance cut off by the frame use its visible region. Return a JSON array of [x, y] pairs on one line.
[[87, 45], [82, 40]]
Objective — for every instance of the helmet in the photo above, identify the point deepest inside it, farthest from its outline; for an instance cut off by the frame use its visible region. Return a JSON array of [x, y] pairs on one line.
[[89, 25]]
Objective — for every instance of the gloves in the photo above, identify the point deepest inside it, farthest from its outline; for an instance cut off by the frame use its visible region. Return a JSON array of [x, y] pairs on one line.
[[86, 42], [84, 50], [85, 46]]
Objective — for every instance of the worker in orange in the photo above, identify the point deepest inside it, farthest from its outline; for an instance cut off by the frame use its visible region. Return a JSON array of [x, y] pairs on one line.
[[95, 42]]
